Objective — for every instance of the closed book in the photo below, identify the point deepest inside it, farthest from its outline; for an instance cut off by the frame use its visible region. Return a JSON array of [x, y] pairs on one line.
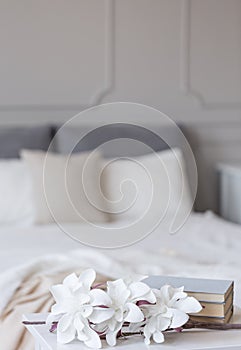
[[224, 319], [214, 309], [200, 288]]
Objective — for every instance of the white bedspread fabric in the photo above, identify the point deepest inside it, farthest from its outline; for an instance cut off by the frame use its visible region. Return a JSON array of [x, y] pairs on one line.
[[206, 246]]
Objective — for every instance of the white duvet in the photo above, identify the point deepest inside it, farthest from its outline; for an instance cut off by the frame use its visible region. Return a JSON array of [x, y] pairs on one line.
[[206, 246]]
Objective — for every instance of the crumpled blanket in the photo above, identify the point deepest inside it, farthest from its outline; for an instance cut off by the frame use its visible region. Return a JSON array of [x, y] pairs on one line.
[[32, 296], [25, 289]]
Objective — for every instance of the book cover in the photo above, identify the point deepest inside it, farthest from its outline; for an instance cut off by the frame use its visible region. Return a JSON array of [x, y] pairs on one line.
[[202, 289]]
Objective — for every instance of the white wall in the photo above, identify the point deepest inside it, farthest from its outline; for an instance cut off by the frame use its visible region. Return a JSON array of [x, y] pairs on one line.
[[180, 56]]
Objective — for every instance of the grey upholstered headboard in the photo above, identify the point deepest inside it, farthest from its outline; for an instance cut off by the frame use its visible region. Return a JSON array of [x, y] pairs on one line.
[[116, 140], [13, 139]]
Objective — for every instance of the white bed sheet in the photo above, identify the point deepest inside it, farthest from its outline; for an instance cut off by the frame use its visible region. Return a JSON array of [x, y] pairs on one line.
[[206, 246]]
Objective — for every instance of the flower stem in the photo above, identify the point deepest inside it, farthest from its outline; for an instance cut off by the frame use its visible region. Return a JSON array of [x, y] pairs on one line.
[[195, 324], [189, 325], [128, 334], [211, 325], [35, 323]]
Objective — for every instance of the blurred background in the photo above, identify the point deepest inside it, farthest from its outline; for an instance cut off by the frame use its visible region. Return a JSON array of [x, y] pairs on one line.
[[182, 57]]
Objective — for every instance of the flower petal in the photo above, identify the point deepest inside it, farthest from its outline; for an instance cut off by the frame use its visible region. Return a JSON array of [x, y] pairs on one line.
[[81, 335], [93, 340], [134, 313], [62, 307], [179, 318], [163, 294], [152, 324], [71, 280], [189, 305], [99, 297], [65, 322], [163, 323], [100, 315], [67, 336], [150, 297], [111, 336], [147, 335], [113, 324], [175, 298], [87, 278], [118, 291], [83, 298], [86, 310], [138, 290], [79, 323], [141, 291], [158, 337], [60, 292], [134, 327]]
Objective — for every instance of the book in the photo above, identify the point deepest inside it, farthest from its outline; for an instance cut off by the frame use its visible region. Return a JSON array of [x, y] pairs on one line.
[[202, 289], [224, 319], [214, 309]]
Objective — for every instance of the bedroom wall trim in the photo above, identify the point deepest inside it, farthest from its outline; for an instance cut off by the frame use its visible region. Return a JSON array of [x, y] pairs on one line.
[[185, 63], [97, 96]]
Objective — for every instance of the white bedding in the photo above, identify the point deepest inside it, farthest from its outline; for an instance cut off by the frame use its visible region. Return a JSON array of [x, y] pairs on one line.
[[207, 246]]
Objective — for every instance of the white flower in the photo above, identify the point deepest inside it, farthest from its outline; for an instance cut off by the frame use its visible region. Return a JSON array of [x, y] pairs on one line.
[[170, 311], [124, 296], [76, 306], [88, 313]]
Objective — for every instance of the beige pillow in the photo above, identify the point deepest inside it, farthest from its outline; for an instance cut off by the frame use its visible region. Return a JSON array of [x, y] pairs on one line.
[[152, 185], [66, 189]]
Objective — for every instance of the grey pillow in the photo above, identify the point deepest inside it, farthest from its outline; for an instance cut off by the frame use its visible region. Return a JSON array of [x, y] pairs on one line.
[[116, 140], [13, 139]]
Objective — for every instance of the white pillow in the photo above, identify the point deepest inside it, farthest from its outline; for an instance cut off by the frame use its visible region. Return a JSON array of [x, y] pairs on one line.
[[66, 189], [16, 207], [154, 185]]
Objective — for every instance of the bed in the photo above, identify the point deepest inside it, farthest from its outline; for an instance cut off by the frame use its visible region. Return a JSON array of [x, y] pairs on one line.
[[205, 246], [205, 241]]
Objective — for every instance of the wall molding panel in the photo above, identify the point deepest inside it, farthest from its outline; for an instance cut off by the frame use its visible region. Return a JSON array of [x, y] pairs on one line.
[[109, 74], [185, 63]]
